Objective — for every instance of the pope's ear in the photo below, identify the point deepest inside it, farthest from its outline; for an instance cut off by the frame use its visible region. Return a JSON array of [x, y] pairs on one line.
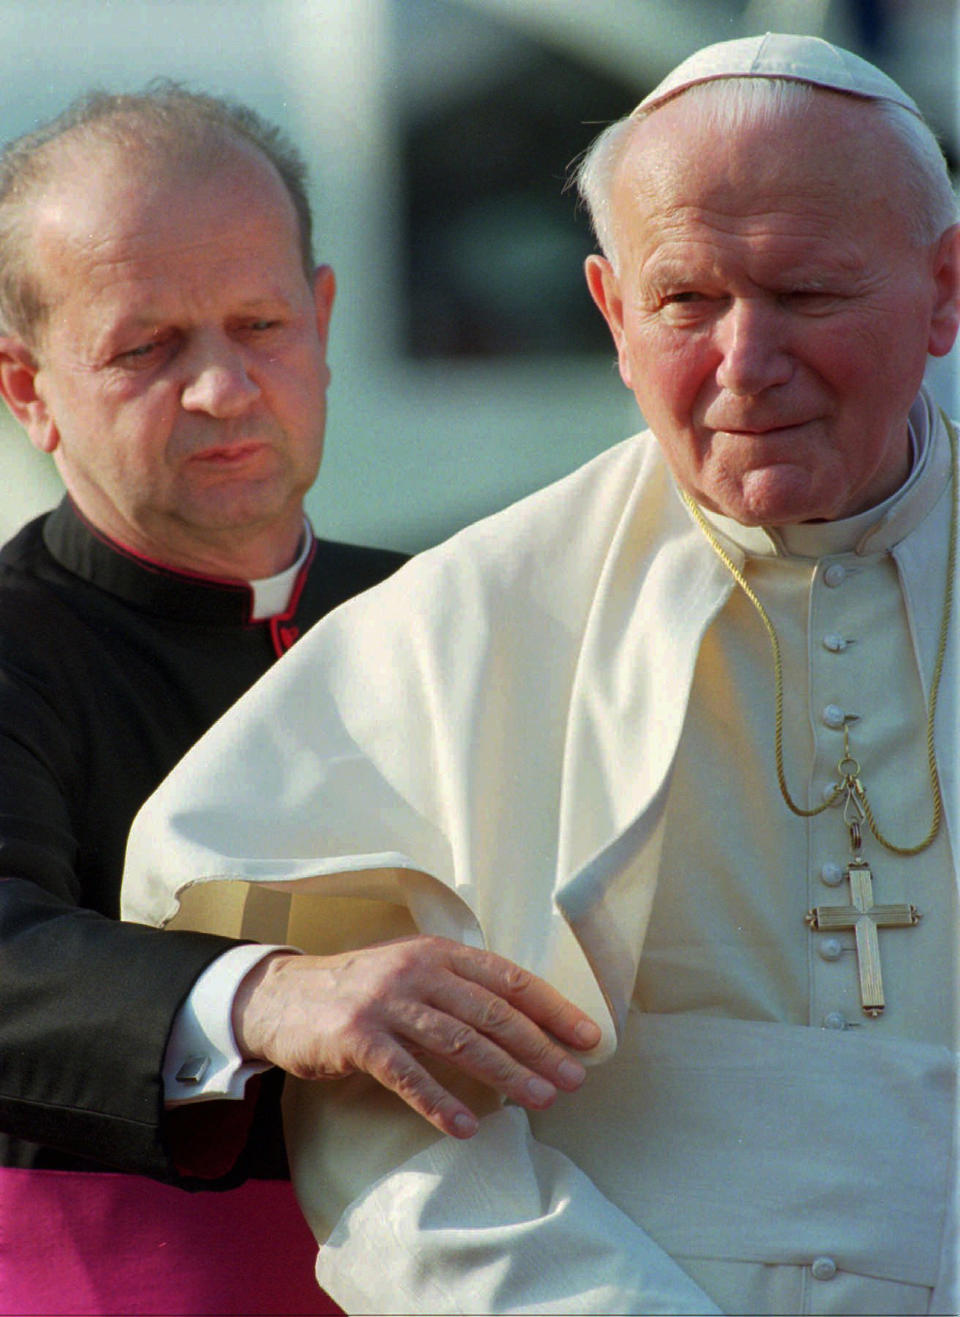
[[605, 290], [945, 319], [18, 388]]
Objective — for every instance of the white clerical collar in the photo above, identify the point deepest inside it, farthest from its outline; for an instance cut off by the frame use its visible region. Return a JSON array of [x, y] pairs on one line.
[[271, 594], [873, 531]]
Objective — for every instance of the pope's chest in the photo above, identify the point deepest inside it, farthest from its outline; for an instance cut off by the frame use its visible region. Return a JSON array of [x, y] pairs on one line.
[[741, 870]]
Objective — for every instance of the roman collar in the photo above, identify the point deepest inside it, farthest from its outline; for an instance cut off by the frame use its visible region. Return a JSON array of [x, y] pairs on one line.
[[185, 596]]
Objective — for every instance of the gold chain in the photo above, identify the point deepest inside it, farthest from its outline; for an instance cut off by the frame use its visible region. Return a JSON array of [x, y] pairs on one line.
[[851, 781]]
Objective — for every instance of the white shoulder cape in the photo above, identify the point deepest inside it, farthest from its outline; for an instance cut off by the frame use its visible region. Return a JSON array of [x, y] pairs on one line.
[[501, 715]]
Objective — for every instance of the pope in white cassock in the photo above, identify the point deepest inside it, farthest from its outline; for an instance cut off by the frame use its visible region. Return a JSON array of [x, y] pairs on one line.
[[679, 733]]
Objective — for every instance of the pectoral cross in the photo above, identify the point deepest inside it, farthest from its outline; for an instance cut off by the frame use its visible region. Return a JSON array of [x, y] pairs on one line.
[[864, 918]]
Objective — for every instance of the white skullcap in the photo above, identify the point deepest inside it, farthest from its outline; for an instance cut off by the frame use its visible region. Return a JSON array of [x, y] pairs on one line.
[[780, 55]]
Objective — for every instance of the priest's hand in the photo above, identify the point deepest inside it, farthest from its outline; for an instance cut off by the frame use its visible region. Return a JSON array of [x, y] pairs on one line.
[[378, 1009]]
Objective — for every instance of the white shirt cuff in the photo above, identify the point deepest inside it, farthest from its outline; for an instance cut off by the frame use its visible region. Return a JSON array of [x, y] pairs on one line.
[[202, 1060]]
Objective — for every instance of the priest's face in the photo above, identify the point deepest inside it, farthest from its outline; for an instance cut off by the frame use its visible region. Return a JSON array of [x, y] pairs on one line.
[[179, 377], [771, 312]]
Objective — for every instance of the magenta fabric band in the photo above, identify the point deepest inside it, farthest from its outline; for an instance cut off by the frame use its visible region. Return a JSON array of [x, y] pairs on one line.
[[117, 1244]]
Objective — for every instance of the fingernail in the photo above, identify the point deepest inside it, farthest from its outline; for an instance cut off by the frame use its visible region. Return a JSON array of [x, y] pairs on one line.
[[464, 1125], [540, 1090], [571, 1073], [588, 1033]]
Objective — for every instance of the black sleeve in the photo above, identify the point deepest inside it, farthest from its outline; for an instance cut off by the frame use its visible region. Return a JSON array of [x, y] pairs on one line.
[[86, 1002], [86, 1005]]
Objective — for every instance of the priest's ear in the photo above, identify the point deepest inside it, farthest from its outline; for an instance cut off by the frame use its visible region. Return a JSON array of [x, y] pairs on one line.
[[18, 387], [945, 316]]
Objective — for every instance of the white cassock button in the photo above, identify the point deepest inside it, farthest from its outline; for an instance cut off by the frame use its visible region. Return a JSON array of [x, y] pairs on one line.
[[835, 1020], [834, 575], [823, 1269], [836, 644], [830, 948], [830, 789], [833, 716], [831, 874]]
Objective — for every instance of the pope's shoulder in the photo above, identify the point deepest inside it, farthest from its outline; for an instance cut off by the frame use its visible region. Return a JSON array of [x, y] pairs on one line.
[[565, 527], [539, 563]]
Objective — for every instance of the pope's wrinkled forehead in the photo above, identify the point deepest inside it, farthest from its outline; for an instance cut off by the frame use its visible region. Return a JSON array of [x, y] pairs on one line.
[[814, 140], [822, 177]]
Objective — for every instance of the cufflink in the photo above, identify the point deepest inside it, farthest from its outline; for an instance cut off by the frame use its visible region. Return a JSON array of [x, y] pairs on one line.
[[193, 1070]]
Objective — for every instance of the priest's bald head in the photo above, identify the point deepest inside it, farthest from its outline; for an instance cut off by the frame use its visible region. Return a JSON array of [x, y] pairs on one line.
[[780, 256]]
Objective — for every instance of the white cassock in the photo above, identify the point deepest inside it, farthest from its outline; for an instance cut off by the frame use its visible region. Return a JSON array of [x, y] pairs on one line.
[[553, 736]]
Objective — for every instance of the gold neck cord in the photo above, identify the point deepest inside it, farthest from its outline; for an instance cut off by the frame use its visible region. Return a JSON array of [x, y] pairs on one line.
[[848, 768]]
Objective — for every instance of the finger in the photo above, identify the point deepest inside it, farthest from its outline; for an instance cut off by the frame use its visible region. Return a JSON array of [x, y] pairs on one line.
[[537, 999], [393, 1067], [505, 1047], [453, 1039]]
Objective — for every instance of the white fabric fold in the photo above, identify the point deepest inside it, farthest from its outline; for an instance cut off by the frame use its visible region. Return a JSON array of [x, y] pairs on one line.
[[500, 1224], [737, 1141]]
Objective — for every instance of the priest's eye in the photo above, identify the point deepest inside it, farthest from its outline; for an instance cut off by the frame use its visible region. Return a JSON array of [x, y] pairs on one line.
[[147, 353]]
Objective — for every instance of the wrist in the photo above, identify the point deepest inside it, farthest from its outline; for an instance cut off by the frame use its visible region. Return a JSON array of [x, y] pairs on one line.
[[252, 1017]]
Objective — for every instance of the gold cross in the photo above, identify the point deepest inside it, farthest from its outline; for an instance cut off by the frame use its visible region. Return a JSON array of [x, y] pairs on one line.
[[864, 918]]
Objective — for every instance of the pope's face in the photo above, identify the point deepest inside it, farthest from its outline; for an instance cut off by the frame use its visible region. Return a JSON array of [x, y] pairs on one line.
[[771, 314], [180, 375]]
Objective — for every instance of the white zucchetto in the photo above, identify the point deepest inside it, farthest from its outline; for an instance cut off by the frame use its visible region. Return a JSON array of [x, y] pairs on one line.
[[782, 55]]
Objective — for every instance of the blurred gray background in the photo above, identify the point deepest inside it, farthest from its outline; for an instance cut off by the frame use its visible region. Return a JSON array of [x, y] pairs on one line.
[[469, 365]]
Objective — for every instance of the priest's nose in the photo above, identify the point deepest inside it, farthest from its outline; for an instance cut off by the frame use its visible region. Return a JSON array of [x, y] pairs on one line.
[[218, 381]]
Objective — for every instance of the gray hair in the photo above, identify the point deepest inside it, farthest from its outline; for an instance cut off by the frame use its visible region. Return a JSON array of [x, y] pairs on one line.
[[164, 122], [729, 102]]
